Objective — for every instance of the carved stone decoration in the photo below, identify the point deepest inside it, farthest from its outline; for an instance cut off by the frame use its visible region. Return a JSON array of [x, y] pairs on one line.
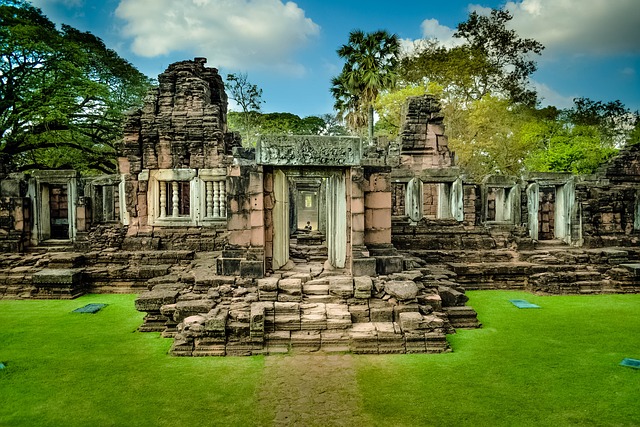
[[308, 150], [336, 220], [413, 200], [280, 220]]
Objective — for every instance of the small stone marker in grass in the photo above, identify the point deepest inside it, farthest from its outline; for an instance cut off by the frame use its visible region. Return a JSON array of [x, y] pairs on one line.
[[521, 303], [90, 308], [631, 363]]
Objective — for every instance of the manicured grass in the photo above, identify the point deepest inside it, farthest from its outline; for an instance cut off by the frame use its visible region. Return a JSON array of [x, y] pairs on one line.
[[71, 369], [554, 366]]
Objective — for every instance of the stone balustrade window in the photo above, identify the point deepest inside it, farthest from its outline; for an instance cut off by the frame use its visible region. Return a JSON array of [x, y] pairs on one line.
[[175, 197], [187, 197], [215, 199]]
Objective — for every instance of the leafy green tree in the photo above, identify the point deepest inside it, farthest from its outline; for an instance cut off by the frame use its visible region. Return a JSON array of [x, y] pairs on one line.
[[492, 60], [490, 138], [62, 94], [370, 62], [248, 96], [581, 138]]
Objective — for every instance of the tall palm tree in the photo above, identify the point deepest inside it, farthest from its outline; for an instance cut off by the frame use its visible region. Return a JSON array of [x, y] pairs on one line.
[[370, 67]]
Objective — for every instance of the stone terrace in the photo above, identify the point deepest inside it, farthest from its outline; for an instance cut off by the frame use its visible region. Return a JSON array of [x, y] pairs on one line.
[[305, 308]]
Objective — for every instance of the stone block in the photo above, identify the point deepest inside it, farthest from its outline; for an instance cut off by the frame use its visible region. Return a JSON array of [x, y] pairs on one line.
[[363, 286], [363, 267], [380, 311], [359, 313], [377, 200], [341, 287], [229, 266], [155, 299], [251, 269], [410, 321], [402, 289], [386, 265], [268, 284]]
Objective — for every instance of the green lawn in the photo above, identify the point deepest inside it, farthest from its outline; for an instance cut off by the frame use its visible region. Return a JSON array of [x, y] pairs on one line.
[[554, 366], [70, 369]]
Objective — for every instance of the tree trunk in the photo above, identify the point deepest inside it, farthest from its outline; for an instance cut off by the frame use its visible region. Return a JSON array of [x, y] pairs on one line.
[[370, 124]]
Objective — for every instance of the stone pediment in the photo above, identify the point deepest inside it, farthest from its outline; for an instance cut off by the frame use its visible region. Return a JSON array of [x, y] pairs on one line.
[[308, 150]]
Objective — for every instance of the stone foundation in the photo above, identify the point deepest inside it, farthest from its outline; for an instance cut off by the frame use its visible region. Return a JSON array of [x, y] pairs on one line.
[[306, 309]]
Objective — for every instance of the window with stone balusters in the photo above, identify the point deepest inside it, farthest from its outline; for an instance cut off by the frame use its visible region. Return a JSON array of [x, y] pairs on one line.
[[179, 197]]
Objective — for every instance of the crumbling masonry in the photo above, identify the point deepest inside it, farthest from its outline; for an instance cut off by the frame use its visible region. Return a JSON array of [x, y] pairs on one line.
[[308, 243]]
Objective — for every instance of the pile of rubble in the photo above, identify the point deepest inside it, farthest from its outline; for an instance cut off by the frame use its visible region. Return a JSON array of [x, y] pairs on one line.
[[307, 309]]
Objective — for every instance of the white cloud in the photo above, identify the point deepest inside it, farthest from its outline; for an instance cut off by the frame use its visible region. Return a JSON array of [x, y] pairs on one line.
[[231, 33], [548, 96], [579, 27]]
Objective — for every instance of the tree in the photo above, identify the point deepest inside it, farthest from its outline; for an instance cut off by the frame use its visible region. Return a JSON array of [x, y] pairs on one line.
[[249, 97], [508, 66], [287, 124], [370, 64], [62, 94], [492, 60], [490, 137], [581, 138]]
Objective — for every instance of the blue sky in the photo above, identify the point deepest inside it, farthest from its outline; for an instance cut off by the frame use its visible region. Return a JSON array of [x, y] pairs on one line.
[[288, 48]]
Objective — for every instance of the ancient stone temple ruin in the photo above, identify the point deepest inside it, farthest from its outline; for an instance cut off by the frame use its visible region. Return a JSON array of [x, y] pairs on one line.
[[308, 243]]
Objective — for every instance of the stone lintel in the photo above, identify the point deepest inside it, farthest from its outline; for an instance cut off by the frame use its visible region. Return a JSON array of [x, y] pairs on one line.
[[308, 150]]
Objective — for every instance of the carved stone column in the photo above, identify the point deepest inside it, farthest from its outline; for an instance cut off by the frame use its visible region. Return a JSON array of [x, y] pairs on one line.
[[336, 220], [280, 220]]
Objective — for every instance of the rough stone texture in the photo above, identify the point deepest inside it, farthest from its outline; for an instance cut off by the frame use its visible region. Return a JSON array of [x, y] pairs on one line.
[[402, 290]]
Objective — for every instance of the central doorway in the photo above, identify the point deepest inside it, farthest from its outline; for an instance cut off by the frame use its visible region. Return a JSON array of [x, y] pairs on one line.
[[309, 205]]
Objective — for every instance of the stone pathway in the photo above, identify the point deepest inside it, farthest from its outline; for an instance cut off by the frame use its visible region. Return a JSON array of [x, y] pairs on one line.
[[312, 390]]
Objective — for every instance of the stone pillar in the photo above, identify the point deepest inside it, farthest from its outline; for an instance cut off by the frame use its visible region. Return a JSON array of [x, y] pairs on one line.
[[533, 205], [357, 208], [377, 205], [457, 202], [336, 220], [414, 200], [444, 201], [280, 220]]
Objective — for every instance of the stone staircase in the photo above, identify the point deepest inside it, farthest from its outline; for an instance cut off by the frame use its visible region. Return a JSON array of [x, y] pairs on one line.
[[47, 273], [305, 308], [551, 267]]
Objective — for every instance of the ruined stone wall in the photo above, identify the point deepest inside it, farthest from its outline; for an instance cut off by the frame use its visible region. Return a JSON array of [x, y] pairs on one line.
[[610, 203], [14, 214], [422, 138], [179, 135]]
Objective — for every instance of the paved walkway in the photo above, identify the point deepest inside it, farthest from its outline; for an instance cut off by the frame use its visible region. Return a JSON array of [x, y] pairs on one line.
[[312, 390]]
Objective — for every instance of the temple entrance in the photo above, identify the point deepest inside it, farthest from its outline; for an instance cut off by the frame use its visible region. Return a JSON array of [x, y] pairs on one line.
[[54, 195], [59, 211], [309, 216], [551, 210]]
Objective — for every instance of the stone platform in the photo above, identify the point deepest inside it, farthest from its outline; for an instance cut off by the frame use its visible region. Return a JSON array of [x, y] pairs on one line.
[[305, 309]]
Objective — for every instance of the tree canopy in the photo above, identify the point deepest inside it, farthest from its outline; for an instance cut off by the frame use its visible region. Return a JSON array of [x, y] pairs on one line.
[[287, 124], [63, 94], [491, 60]]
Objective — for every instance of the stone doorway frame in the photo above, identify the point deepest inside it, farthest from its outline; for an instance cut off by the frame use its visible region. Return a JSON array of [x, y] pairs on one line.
[[39, 188], [336, 206], [566, 212]]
